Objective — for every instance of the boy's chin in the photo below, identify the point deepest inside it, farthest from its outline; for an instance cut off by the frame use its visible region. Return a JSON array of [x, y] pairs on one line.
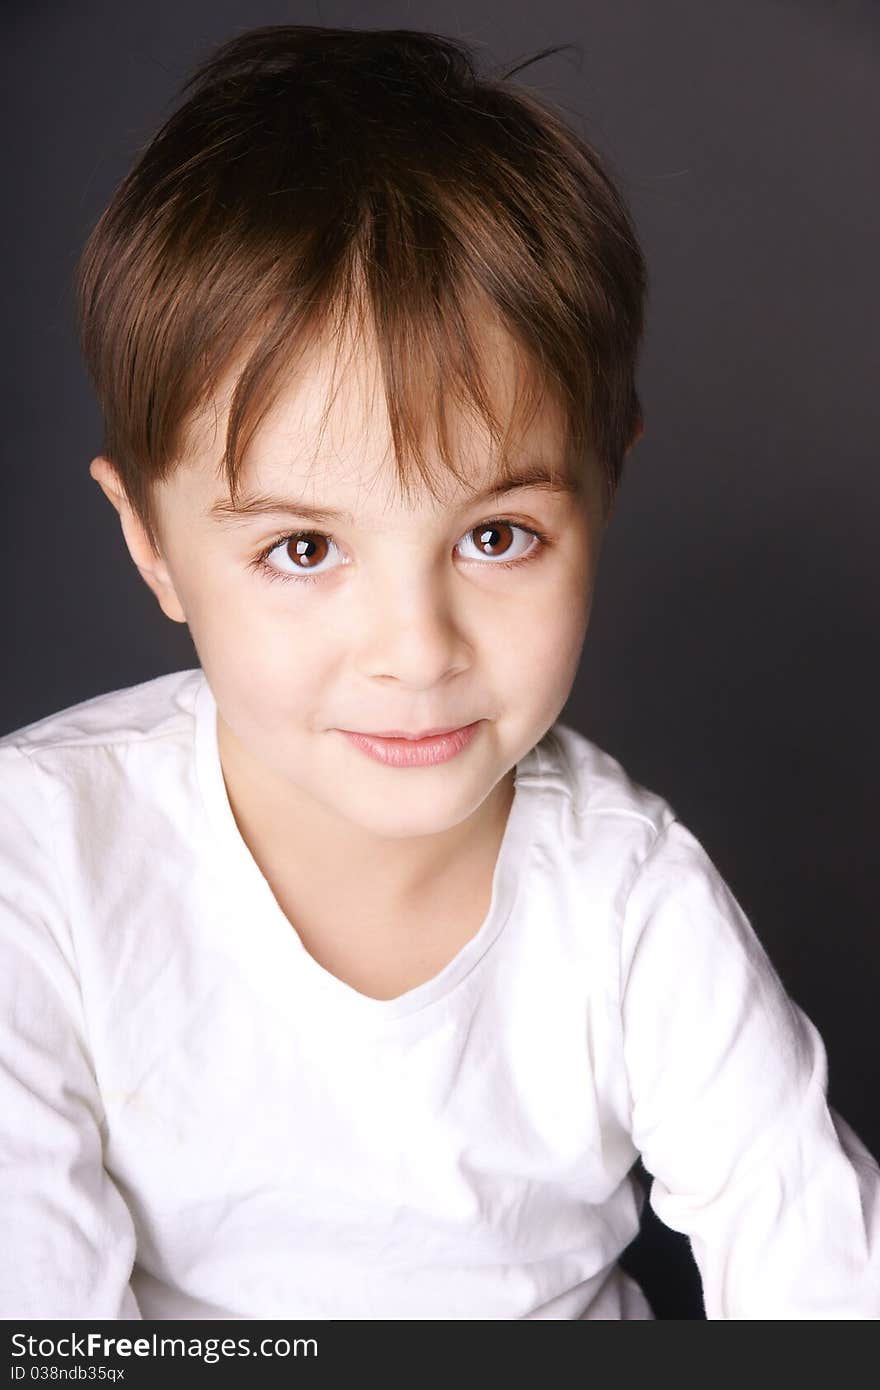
[[406, 809]]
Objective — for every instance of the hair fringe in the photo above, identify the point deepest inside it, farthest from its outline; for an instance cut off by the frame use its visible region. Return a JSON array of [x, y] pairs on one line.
[[366, 188]]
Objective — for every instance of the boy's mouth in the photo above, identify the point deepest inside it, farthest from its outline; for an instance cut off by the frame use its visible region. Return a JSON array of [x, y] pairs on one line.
[[413, 750], [404, 733]]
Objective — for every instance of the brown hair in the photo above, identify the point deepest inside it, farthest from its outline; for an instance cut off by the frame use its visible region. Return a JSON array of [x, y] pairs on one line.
[[312, 171]]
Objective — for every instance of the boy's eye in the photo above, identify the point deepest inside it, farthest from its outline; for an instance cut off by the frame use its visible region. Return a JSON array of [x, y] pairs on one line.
[[297, 555], [301, 556], [492, 538], [306, 551]]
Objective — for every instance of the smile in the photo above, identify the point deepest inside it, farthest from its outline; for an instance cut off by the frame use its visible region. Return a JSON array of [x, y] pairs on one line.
[[404, 751]]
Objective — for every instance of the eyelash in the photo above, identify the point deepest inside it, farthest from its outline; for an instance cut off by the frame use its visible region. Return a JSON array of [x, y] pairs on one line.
[[261, 566]]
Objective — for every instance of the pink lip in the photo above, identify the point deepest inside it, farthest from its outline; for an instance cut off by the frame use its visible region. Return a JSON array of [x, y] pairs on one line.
[[405, 751], [403, 733]]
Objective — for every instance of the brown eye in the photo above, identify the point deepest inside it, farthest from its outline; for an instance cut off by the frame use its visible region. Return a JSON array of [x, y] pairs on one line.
[[493, 538], [307, 549], [504, 542]]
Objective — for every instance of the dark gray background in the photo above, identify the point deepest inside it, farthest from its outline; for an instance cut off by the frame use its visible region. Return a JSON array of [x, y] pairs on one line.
[[731, 663]]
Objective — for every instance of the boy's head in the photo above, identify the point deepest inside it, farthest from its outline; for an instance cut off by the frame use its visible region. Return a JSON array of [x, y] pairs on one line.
[[352, 272]]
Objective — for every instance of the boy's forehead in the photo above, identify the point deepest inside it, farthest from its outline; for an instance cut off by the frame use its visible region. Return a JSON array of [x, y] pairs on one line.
[[326, 506], [349, 491], [326, 438], [341, 453]]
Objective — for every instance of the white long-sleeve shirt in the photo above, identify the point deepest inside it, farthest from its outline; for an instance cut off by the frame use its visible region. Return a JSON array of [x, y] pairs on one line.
[[199, 1120]]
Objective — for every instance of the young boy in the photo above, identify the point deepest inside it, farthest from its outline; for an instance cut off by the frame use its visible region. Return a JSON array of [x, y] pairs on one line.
[[341, 979]]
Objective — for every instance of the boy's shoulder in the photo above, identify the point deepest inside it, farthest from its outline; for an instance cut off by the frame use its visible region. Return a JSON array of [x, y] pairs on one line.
[[116, 769], [103, 759], [595, 785], [150, 709]]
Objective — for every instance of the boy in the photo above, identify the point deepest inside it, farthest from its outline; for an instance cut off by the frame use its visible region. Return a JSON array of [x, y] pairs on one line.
[[342, 980]]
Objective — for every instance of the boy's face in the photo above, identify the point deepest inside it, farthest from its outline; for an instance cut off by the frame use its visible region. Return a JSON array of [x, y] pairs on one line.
[[405, 619]]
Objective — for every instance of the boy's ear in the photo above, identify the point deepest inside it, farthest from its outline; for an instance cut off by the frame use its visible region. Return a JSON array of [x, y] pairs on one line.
[[637, 434], [148, 561], [639, 431]]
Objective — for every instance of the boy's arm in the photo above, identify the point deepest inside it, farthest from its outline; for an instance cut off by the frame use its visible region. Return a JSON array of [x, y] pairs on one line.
[[728, 1080], [68, 1238]]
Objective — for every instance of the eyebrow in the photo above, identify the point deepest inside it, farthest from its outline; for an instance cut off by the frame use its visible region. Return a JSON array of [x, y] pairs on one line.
[[262, 504]]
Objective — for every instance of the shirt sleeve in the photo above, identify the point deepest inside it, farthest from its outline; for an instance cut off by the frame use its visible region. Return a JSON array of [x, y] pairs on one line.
[[778, 1196], [68, 1237]]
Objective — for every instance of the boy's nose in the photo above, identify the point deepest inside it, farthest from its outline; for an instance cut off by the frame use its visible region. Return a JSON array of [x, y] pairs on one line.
[[409, 632]]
